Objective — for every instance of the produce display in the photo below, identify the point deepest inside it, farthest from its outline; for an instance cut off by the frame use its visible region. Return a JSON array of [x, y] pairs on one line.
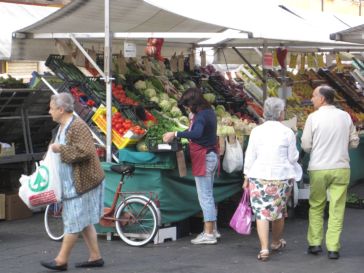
[[11, 82], [146, 96], [299, 103]]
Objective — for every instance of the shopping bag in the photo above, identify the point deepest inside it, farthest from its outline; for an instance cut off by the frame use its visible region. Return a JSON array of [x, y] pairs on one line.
[[233, 159], [43, 187], [242, 218]]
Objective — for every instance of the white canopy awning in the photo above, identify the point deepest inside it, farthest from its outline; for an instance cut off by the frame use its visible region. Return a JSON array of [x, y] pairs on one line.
[[86, 18], [265, 20], [352, 35], [14, 17], [182, 23]]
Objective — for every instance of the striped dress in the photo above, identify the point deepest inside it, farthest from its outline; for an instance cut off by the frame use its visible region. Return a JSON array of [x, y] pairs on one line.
[[79, 211]]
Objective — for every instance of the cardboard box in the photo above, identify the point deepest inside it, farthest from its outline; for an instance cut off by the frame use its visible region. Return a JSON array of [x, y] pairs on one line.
[[15, 207], [2, 206]]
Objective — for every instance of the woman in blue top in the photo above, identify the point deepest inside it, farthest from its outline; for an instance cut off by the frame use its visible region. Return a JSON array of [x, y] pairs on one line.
[[204, 157]]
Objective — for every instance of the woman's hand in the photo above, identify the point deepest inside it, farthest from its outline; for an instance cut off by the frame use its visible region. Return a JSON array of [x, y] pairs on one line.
[[168, 137], [56, 148], [246, 183]]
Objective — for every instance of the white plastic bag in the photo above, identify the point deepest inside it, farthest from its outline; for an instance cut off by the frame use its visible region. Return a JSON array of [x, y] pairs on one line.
[[233, 159], [43, 187]]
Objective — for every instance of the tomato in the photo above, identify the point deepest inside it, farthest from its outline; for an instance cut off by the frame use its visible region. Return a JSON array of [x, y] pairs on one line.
[[117, 114]]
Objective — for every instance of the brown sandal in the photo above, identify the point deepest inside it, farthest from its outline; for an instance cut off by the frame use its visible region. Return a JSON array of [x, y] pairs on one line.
[[263, 255], [281, 244]]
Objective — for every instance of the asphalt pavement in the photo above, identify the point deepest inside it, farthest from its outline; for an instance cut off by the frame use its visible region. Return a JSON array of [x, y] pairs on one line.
[[23, 243]]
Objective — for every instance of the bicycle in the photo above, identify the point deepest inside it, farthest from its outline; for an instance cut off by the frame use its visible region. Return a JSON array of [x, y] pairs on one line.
[[135, 215]]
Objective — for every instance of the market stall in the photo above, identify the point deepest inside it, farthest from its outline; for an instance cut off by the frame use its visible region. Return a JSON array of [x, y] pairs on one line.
[[149, 74]]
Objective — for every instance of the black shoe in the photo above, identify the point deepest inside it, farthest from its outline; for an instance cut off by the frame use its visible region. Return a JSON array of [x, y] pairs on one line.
[[53, 265], [314, 250], [334, 255], [96, 263]]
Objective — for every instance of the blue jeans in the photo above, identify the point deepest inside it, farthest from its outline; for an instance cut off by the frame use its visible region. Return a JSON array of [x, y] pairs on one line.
[[205, 185]]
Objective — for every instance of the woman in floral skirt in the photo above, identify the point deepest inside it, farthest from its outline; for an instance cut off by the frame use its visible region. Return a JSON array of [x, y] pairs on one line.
[[270, 170]]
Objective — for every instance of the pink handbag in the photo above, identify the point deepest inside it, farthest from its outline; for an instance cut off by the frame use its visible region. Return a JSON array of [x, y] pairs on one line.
[[242, 218]]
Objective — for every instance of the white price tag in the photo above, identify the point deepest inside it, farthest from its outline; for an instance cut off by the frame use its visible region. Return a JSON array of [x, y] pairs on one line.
[[164, 147], [129, 50]]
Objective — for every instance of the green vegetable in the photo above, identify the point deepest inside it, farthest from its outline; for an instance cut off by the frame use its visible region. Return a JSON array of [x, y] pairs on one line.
[[163, 96], [155, 132], [191, 84], [140, 85], [209, 97], [155, 99], [150, 93], [157, 84], [184, 120], [220, 107], [142, 146], [173, 102], [165, 105], [175, 112]]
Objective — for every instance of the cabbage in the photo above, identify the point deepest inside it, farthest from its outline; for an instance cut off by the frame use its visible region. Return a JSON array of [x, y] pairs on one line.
[[165, 105], [163, 96], [155, 99], [150, 92], [173, 102], [220, 112], [181, 87], [175, 112], [209, 97], [186, 86], [220, 107], [227, 130], [184, 120], [142, 146], [191, 84], [140, 85]]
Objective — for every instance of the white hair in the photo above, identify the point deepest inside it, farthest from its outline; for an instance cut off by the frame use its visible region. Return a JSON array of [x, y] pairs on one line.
[[273, 108], [65, 101]]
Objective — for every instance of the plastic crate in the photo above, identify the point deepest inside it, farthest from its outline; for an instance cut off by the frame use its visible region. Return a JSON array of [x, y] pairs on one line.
[[160, 165], [85, 112], [100, 121], [156, 145]]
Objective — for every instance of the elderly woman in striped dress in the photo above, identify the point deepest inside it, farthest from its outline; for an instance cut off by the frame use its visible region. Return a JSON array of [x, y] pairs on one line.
[[82, 183], [270, 170]]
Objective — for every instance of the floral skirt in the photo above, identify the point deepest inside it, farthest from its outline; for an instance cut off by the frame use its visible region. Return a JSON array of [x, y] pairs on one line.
[[268, 198]]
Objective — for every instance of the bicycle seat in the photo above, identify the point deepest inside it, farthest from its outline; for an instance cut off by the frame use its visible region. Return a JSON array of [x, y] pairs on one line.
[[123, 169]]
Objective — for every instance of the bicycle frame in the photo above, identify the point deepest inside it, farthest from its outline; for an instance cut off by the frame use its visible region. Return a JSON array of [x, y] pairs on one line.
[[110, 214]]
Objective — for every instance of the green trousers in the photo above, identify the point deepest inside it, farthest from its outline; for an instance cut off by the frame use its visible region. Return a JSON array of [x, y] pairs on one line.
[[335, 182]]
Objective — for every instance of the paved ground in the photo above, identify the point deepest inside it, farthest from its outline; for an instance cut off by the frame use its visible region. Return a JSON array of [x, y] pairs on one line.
[[23, 244]]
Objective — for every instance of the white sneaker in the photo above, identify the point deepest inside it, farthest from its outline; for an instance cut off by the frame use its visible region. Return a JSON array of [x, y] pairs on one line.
[[217, 234], [204, 239]]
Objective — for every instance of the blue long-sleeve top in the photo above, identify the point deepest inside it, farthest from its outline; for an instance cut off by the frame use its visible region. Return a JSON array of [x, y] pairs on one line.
[[203, 131]]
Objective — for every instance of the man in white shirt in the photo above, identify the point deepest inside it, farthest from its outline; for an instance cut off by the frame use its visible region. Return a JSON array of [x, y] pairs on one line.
[[328, 134]]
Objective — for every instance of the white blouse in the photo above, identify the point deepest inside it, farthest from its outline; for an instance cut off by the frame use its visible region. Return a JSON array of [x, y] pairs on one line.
[[272, 153]]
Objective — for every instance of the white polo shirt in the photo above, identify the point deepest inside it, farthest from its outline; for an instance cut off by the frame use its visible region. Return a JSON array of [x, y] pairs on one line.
[[328, 134]]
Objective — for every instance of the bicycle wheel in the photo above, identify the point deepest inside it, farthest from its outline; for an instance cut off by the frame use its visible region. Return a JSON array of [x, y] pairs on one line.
[[53, 221], [136, 221]]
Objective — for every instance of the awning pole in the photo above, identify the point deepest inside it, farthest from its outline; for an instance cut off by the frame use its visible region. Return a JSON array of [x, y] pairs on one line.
[[108, 80], [264, 87], [284, 83]]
